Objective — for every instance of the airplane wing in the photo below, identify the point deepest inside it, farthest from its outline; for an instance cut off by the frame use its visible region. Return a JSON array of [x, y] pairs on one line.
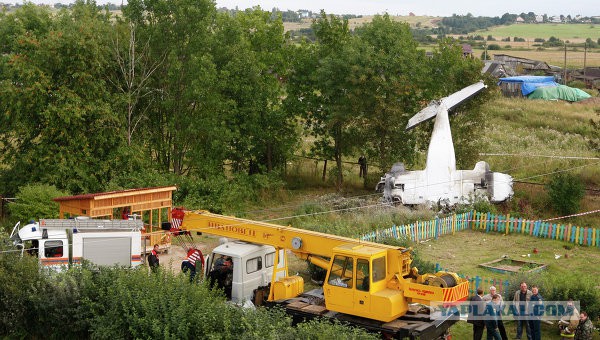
[[447, 103]]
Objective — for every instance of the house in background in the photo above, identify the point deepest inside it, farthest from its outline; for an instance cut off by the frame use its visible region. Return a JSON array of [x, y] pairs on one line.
[[496, 69], [523, 65], [467, 50], [589, 75]]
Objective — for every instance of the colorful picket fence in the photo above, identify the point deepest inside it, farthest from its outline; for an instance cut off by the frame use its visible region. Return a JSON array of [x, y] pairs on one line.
[[423, 230], [510, 225]]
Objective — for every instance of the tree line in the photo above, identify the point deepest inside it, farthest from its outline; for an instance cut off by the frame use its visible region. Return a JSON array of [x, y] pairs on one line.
[[92, 101]]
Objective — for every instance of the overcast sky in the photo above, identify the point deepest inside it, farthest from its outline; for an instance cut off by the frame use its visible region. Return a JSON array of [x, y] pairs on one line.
[[398, 7], [428, 7]]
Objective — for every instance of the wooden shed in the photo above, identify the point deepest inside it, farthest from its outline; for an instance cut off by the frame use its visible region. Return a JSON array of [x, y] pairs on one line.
[[152, 205]]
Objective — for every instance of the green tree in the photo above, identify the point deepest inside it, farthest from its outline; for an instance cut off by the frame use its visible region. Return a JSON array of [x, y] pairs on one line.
[[35, 201], [565, 192], [321, 86], [388, 90], [184, 131], [58, 126], [250, 59]]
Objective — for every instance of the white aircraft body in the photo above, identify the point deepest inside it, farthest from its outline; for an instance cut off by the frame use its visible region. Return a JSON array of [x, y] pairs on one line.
[[440, 182]]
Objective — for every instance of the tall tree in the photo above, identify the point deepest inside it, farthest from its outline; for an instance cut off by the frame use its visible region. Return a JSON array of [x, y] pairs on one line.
[[184, 131], [390, 90], [250, 53], [134, 71], [320, 88], [57, 125]]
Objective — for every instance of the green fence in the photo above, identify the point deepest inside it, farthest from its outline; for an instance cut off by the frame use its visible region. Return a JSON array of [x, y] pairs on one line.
[[488, 222]]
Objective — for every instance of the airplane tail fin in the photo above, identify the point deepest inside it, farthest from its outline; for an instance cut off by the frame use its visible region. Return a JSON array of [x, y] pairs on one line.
[[447, 103]]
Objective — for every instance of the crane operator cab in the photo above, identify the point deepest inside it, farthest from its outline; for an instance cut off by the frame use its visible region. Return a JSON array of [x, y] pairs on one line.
[[357, 284]]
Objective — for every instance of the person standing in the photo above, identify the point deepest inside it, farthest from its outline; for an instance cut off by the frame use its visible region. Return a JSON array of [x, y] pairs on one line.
[[362, 162], [492, 315], [585, 329], [536, 311], [153, 260], [476, 309], [521, 300], [488, 298]]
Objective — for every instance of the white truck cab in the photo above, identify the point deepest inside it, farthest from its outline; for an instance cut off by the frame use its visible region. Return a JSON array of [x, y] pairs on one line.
[[251, 268]]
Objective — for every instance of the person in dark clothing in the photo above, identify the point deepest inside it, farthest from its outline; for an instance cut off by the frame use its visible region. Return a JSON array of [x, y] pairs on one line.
[[476, 309], [536, 308], [492, 315], [362, 162], [585, 329], [153, 260]]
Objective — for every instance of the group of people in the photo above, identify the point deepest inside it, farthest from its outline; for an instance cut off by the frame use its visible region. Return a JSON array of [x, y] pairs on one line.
[[193, 259], [485, 313]]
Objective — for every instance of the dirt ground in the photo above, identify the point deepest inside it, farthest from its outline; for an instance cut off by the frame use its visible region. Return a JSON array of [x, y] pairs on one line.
[[172, 256]]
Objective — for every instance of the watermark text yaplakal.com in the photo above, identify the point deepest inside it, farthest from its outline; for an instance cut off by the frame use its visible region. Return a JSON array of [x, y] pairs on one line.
[[509, 310]]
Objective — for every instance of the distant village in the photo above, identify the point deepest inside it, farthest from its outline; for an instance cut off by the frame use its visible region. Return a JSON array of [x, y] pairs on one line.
[[302, 14]]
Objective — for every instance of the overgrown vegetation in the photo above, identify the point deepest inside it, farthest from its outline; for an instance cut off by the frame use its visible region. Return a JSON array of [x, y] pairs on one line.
[[565, 192], [111, 303], [179, 88]]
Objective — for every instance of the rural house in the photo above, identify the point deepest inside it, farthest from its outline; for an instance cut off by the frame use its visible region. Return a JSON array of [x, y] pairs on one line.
[[589, 75], [523, 65]]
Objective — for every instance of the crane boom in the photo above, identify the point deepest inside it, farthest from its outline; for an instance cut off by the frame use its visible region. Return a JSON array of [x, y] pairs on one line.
[[284, 237]]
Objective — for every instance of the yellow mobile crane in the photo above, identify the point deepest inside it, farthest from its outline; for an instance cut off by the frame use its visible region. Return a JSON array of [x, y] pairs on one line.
[[367, 284]]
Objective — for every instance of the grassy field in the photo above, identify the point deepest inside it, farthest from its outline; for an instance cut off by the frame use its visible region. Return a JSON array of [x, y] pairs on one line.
[[571, 32], [533, 128], [478, 247], [575, 58], [413, 21]]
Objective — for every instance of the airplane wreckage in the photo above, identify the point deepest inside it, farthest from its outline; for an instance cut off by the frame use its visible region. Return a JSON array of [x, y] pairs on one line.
[[440, 182]]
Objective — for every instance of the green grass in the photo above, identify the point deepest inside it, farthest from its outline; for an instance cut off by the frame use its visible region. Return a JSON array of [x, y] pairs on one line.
[[572, 32], [464, 251], [477, 247], [544, 128], [463, 330]]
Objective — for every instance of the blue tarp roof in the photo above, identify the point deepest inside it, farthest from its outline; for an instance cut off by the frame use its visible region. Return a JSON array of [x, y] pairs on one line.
[[530, 83]]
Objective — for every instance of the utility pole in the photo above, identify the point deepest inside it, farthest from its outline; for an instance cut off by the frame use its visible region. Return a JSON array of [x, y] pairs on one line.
[[584, 61], [565, 67]]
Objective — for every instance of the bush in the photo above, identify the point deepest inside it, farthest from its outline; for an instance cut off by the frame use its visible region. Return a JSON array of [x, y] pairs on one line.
[[565, 192], [109, 303], [35, 202], [577, 83], [493, 47], [223, 195], [561, 288]]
